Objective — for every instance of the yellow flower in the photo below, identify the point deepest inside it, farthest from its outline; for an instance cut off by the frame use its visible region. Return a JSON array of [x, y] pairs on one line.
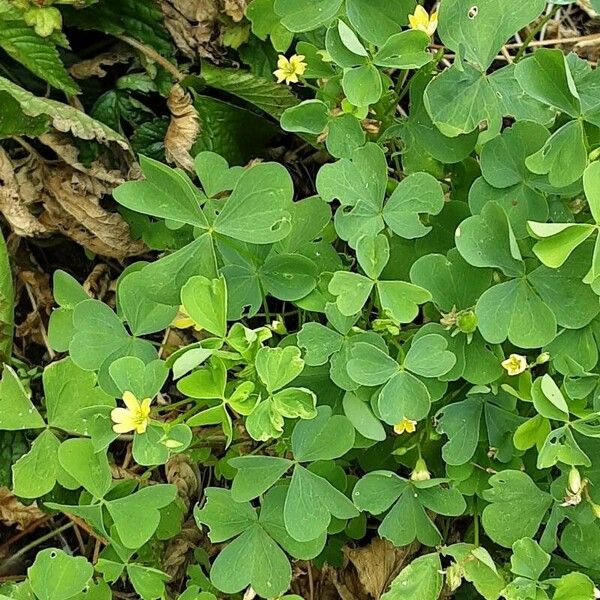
[[405, 425], [133, 418], [288, 70], [515, 364], [182, 320], [421, 21]]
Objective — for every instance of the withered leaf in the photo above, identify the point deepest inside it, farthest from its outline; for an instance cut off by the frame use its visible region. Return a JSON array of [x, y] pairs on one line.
[[183, 128]]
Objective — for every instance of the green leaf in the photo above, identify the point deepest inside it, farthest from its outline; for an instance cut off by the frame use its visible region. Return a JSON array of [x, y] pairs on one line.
[[98, 333], [513, 310], [89, 468], [163, 279], [451, 281], [405, 50], [421, 579], [143, 315], [255, 475], [404, 396], [370, 365], [511, 492], [377, 20], [362, 85], [545, 75], [38, 54], [144, 380], [205, 301], [478, 31], [265, 22], [310, 116], [69, 389], [561, 446], [278, 366], [486, 240], [306, 15], [416, 194], [352, 290], [265, 94], [591, 185], [215, 174], [361, 416], [57, 576], [428, 356], [64, 117], [134, 531], [35, 473], [257, 210], [400, 300], [16, 409], [325, 437], [574, 586], [318, 342], [310, 503], [458, 100], [164, 192], [225, 517], [528, 559], [252, 559], [563, 157], [460, 421]]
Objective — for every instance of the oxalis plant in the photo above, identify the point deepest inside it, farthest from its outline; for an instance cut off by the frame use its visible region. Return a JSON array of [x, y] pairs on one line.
[[408, 355]]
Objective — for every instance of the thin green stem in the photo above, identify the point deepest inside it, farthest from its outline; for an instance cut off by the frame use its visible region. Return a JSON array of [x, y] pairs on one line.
[[534, 32]]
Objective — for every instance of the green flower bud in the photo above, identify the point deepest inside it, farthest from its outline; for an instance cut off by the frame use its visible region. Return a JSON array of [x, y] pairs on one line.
[[420, 472], [467, 321]]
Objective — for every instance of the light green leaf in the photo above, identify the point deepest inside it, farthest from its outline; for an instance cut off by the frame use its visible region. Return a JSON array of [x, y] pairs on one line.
[[403, 397], [35, 473], [16, 409], [165, 192], [416, 194], [255, 475], [404, 50], [205, 301], [89, 468], [362, 85], [428, 356], [57, 576], [310, 503], [478, 31], [421, 579], [325, 437], [512, 492], [257, 210], [306, 15], [278, 366]]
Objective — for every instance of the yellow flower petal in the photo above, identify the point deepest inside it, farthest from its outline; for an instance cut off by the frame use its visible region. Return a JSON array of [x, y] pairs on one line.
[[406, 425], [131, 402], [515, 364], [123, 427], [145, 407], [120, 415], [283, 62]]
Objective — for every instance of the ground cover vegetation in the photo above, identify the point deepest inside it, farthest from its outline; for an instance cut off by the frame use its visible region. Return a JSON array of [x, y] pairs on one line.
[[299, 299]]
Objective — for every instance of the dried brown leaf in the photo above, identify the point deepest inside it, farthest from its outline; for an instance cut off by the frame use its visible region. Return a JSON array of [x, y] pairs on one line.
[[193, 25], [235, 9], [17, 189], [72, 201], [93, 67], [179, 549], [13, 512], [183, 128], [180, 472]]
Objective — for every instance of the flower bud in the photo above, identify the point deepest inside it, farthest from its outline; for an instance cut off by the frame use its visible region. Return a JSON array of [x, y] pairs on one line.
[[420, 472], [543, 358], [575, 483], [467, 321]]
